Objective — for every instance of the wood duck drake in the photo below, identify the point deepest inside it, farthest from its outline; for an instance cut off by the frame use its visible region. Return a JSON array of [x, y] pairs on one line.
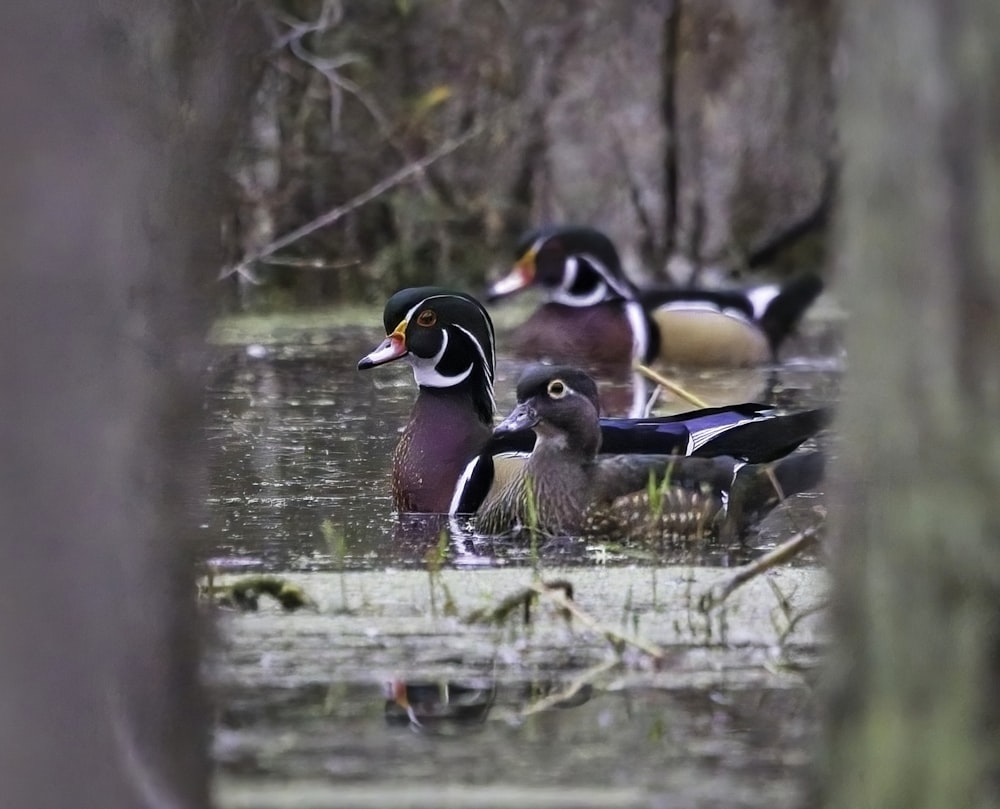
[[448, 340], [448, 459], [567, 489], [596, 317]]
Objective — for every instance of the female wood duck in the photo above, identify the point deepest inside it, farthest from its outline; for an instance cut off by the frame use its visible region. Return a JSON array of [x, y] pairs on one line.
[[566, 488], [596, 317], [448, 459]]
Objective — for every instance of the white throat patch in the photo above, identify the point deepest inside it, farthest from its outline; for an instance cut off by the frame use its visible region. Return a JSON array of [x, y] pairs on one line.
[[563, 295], [425, 370]]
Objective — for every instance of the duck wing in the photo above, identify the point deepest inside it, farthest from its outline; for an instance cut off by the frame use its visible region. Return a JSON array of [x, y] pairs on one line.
[[617, 475]]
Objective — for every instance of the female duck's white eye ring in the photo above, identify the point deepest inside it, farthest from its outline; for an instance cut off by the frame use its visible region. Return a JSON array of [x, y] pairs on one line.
[[557, 389]]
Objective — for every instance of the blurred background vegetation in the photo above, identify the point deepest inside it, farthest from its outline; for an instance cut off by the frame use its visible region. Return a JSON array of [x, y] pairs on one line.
[[696, 134]]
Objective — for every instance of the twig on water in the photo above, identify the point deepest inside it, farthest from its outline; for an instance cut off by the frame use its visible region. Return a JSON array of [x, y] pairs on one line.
[[331, 216], [672, 387], [792, 618], [560, 594], [798, 543], [616, 638], [520, 599], [557, 698]]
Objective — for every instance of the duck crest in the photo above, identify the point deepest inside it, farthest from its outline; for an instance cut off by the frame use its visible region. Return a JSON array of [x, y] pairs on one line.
[[448, 341], [467, 366], [578, 266]]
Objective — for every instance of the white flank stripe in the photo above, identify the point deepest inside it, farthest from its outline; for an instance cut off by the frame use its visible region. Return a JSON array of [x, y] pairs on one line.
[[463, 481], [640, 330]]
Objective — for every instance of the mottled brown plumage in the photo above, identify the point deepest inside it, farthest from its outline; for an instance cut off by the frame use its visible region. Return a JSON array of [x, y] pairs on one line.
[[671, 515], [565, 484], [567, 489]]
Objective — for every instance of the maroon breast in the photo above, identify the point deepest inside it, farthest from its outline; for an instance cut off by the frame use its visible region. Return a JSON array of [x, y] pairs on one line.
[[442, 436], [596, 337]]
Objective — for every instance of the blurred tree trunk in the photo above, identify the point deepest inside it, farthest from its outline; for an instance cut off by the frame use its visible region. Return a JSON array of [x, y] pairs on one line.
[[111, 153], [752, 114], [723, 156], [913, 711]]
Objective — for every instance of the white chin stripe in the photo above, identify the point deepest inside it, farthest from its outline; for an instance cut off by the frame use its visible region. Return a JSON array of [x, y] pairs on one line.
[[546, 437], [564, 296], [425, 371]]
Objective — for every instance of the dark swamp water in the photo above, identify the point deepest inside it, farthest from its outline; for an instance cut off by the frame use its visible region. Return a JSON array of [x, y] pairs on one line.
[[543, 714]]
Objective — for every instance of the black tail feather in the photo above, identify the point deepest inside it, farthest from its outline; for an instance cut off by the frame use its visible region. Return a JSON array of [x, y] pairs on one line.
[[770, 439], [753, 494], [786, 310]]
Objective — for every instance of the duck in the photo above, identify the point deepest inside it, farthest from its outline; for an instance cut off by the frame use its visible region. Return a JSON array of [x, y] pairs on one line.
[[423, 703], [567, 488], [596, 317], [448, 340], [449, 458]]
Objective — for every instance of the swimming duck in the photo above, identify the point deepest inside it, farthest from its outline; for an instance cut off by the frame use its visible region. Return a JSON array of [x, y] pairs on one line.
[[568, 488], [448, 458], [596, 317]]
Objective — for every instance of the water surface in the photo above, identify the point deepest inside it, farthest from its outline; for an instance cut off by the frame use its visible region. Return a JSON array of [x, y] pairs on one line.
[[299, 437], [300, 447]]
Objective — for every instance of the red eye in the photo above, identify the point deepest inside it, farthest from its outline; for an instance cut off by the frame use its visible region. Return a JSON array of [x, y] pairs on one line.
[[427, 318]]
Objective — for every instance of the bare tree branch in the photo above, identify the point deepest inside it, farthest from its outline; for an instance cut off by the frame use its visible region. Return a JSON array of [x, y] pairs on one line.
[[669, 385], [452, 144], [617, 638]]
